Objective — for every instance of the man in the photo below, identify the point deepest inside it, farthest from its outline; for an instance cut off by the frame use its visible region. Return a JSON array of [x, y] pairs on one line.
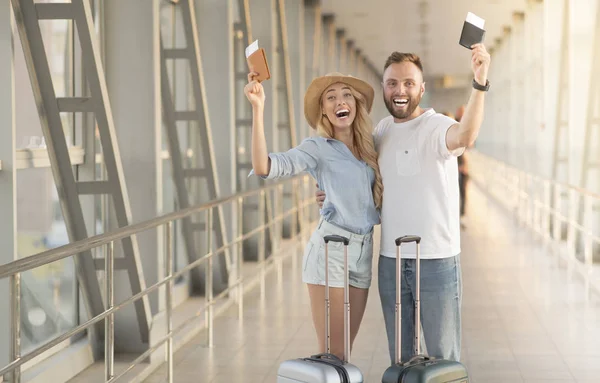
[[417, 157]]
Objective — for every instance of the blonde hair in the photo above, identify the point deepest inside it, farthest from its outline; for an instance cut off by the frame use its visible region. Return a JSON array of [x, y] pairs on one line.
[[362, 129]]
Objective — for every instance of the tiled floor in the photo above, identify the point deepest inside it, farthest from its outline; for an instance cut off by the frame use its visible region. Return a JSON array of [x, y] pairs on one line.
[[524, 318]]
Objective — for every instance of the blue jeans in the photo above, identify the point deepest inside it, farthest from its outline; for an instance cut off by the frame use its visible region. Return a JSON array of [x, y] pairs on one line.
[[441, 298]]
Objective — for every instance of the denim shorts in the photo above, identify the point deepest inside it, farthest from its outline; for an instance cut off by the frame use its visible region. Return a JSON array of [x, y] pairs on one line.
[[360, 258]]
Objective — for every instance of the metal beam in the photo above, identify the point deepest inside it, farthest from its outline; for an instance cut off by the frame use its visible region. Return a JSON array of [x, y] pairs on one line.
[[46, 101], [588, 210], [243, 36], [205, 157], [592, 127], [561, 147], [8, 177], [94, 71], [561, 129], [26, 14]]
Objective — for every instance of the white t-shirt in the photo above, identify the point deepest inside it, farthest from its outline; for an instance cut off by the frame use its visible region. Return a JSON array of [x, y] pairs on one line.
[[420, 185]]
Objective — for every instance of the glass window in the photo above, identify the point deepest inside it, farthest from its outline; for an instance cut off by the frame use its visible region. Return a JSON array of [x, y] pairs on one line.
[[51, 303]]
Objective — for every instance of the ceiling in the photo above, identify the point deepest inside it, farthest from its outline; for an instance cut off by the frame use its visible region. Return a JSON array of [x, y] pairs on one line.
[[429, 28]]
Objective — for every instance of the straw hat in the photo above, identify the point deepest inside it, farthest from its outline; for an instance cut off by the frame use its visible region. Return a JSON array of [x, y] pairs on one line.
[[312, 98]]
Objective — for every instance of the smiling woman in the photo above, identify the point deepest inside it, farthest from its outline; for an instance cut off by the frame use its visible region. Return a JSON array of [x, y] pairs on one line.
[[343, 161]]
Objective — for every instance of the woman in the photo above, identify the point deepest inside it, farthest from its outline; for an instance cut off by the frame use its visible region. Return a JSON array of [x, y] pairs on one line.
[[343, 160]]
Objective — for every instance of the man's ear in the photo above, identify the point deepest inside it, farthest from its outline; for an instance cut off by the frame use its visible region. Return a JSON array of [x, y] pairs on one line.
[[422, 89]]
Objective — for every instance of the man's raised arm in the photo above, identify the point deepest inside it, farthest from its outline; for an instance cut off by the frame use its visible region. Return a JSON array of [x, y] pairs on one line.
[[464, 134]]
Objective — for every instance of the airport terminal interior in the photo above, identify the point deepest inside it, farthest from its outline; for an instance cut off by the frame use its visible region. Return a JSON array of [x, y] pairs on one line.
[[136, 247]]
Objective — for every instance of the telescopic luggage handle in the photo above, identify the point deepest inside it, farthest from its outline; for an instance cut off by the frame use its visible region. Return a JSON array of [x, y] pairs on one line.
[[399, 242], [346, 242], [408, 239], [336, 238]]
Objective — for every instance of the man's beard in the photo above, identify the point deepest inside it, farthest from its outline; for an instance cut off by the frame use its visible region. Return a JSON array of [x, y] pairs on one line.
[[410, 108]]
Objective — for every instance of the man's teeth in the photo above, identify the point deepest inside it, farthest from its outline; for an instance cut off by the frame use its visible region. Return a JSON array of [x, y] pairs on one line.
[[400, 101]]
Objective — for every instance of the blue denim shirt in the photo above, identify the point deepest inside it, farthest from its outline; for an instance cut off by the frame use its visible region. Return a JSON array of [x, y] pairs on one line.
[[347, 181]]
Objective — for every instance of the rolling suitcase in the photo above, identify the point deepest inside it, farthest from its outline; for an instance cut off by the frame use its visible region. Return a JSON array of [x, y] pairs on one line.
[[420, 368], [326, 368]]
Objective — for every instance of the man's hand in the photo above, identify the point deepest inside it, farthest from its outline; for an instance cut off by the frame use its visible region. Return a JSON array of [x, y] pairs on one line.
[[480, 63], [319, 196]]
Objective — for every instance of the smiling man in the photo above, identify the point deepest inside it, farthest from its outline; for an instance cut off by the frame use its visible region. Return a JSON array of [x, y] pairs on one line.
[[417, 156]]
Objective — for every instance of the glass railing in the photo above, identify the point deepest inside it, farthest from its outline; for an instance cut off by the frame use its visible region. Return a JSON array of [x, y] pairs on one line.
[[555, 212]]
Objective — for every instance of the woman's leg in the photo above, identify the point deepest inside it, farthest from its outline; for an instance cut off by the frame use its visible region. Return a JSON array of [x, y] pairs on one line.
[[360, 264], [358, 303], [360, 281], [336, 319], [317, 305]]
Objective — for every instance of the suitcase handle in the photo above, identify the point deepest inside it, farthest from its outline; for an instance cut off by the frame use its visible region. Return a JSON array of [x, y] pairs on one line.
[[408, 239], [336, 238], [399, 242], [327, 356], [346, 242], [418, 359]]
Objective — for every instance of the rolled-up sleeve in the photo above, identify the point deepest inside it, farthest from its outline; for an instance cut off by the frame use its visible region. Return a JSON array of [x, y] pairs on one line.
[[303, 157], [439, 140]]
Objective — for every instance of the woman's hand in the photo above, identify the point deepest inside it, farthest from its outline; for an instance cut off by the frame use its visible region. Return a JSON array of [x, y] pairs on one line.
[[254, 91]]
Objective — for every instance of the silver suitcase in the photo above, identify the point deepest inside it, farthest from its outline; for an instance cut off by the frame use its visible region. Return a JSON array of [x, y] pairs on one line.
[[326, 368]]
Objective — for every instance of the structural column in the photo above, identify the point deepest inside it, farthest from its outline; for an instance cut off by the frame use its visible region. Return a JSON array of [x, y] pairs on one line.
[[262, 14], [294, 10], [215, 18], [555, 135], [329, 34], [340, 43], [583, 20], [312, 39], [8, 174], [534, 91], [133, 79], [263, 28]]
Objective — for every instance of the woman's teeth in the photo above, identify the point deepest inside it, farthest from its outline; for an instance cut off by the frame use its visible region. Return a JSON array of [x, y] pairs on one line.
[[342, 113]]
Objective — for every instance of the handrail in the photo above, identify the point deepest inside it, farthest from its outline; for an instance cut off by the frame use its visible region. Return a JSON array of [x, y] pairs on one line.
[[546, 206], [565, 185], [58, 253], [275, 218]]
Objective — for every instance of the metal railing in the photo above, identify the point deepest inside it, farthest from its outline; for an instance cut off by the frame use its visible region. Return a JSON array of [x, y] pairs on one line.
[[557, 212], [299, 214]]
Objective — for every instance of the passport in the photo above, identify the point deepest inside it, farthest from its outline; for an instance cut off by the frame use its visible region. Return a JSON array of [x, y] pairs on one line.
[[257, 61], [472, 31]]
